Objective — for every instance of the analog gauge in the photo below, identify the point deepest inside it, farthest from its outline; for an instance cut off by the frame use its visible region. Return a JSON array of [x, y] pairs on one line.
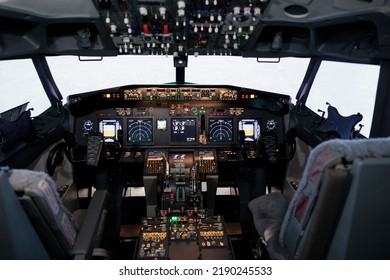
[[221, 130], [271, 124], [87, 126], [140, 130]]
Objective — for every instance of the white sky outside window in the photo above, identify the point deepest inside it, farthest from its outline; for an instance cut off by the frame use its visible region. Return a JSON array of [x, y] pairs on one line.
[[349, 87]]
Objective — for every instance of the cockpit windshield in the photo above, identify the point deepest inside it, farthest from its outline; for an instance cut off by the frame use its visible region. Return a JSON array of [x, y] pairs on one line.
[[74, 76]]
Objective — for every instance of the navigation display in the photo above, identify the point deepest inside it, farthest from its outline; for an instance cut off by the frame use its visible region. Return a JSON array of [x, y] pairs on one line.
[[251, 128], [183, 130], [220, 130], [109, 128], [140, 130]]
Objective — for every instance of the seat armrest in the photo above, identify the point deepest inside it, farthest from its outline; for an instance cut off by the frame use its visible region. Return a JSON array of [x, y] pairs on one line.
[[84, 243]]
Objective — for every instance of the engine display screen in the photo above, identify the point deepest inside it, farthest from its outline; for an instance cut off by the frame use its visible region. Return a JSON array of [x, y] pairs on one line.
[[140, 130], [109, 128], [183, 130], [181, 162], [251, 127]]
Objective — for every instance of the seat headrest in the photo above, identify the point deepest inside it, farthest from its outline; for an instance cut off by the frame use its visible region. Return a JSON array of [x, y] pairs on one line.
[[323, 156]]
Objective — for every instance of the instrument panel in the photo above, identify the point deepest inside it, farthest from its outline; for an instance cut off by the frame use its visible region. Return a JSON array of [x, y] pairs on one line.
[[162, 128], [174, 117]]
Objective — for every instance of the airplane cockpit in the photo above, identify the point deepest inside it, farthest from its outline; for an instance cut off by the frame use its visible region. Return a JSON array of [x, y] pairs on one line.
[[182, 170]]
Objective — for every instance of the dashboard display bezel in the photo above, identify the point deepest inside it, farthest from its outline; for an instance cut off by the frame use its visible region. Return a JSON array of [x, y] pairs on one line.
[[231, 133], [151, 133], [256, 130], [118, 126], [194, 134]]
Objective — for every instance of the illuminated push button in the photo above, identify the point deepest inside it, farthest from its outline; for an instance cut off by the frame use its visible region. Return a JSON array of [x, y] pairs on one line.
[[163, 11], [108, 19], [143, 11], [113, 28], [146, 28], [166, 28], [180, 13], [181, 4]]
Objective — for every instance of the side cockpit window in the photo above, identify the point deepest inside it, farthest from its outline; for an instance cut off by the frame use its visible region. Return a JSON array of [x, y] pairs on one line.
[[20, 87], [349, 87]]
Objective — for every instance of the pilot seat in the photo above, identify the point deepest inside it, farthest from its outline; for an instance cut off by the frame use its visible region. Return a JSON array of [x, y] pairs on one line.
[[43, 224], [338, 211]]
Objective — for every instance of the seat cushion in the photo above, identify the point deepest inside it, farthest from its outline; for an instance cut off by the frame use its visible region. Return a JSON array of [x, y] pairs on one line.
[[267, 210]]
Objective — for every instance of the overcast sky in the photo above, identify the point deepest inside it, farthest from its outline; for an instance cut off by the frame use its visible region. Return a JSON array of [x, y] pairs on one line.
[[349, 87]]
